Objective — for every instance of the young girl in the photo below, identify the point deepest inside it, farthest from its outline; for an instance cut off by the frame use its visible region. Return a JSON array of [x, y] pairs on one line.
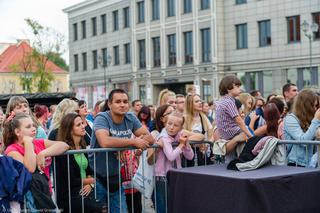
[[160, 120], [170, 155], [81, 182], [21, 145]]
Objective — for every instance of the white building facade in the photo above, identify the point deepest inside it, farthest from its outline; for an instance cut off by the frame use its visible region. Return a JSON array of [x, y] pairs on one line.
[[265, 45], [99, 48], [174, 45], [157, 44]]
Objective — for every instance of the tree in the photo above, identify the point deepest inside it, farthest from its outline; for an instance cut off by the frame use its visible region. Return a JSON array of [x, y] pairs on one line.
[[58, 60], [25, 65], [45, 42]]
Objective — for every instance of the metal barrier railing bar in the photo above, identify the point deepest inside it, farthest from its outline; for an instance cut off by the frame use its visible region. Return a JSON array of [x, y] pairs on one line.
[[110, 195]]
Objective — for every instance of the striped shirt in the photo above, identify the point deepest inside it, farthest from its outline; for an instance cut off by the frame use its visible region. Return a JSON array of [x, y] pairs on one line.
[[226, 111]]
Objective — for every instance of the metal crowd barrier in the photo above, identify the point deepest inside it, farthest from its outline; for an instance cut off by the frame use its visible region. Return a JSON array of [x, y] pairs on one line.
[[195, 146]]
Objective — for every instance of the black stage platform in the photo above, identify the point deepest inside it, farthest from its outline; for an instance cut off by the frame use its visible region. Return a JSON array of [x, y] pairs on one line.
[[269, 189]]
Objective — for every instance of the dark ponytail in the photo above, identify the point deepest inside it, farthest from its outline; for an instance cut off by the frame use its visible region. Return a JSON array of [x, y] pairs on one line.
[[9, 136]]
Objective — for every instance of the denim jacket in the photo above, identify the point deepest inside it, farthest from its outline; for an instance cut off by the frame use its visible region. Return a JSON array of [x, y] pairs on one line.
[[299, 154]]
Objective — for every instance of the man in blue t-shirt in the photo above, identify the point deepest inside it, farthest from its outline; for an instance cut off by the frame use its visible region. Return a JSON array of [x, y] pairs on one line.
[[113, 129]]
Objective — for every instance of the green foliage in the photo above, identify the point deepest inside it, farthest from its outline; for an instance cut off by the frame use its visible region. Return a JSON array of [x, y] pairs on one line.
[[47, 45], [25, 66], [57, 60]]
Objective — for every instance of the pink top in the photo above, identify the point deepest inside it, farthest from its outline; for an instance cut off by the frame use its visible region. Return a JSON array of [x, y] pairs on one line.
[[38, 147], [167, 155]]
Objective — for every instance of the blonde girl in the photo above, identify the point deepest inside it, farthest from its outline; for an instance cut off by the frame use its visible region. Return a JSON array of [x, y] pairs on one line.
[[197, 121], [248, 102], [167, 97], [65, 107]]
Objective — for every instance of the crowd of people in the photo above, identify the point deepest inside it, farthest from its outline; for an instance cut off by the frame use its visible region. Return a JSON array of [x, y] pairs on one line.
[[99, 181]]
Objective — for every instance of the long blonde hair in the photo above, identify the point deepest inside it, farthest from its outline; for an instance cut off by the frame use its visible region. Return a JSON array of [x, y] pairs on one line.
[[163, 96], [189, 115], [65, 107], [243, 97]]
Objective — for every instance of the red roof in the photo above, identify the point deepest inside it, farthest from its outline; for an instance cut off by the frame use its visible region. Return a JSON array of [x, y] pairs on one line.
[[14, 55]]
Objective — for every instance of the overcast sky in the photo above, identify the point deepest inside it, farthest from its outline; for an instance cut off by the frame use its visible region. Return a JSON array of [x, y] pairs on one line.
[[46, 12]]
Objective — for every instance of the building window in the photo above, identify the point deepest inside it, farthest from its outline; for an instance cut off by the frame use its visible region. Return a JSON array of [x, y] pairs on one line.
[[94, 26], [242, 38], [156, 51], [257, 81], [142, 53], [241, 1], [115, 20], [206, 45], [302, 77], [204, 4], [188, 49], [142, 93], [103, 23], [76, 63], [84, 31], [84, 61], [155, 10], [172, 49], [95, 59], [140, 11], [75, 31], [207, 90], [116, 55], [187, 6], [171, 8], [316, 19], [264, 33], [104, 57], [126, 17], [307, 78], [127, 52], [293, 25]]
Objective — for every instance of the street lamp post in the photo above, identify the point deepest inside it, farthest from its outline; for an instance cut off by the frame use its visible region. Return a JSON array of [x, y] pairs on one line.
[[104, 63], [308, 31]]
